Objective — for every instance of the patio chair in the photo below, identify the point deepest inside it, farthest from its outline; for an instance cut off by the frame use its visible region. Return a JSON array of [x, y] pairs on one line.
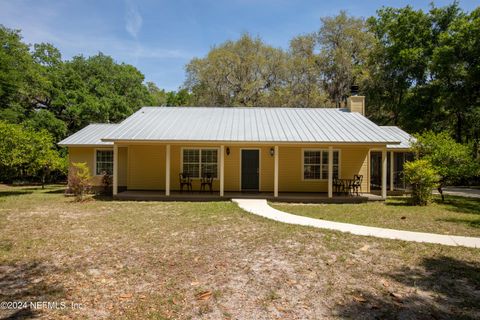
[[337, 185], [207, 180], [185, 180], [357, 183]]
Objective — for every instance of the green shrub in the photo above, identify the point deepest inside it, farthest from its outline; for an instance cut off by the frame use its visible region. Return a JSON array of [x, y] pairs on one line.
[[452, 161], [79, 180], [423, 178]]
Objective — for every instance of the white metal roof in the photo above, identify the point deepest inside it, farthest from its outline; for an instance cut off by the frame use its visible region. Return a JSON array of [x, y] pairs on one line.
[[404, 138], [315, 125], [91, 135]]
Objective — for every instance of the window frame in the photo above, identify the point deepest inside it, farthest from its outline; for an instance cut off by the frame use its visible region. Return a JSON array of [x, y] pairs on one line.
[[95, 160], [200, 160], [321, 163]]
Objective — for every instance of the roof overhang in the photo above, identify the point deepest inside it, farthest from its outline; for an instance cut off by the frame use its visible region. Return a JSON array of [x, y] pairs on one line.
[[104, 145], [140, 141]]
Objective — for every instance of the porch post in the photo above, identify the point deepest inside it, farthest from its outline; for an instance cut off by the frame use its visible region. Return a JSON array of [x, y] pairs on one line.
[[275, 173], [167, 170], [391, 170], [330, 172], [115, 169], [384, 173], [222, 167]]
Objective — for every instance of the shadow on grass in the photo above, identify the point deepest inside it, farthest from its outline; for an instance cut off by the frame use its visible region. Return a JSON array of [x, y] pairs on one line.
[[102, 197], [25, 282], [461, 205], [470, 223], [439, 288], [451, 203], [14, 193], [399, 202], [56, 191]]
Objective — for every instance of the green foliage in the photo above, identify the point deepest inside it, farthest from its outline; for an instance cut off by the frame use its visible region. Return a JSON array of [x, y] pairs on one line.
[[96, 89], [46, 158], [422, 176], [425, 70], [399, 60], [60, 96], [345, 44], [158, 96], [46, 120], [79, 180], [316, 71], [456, 66], [180, 98], [17, 73], [25, 153], [236, 73], [452, 161], [302, 80]]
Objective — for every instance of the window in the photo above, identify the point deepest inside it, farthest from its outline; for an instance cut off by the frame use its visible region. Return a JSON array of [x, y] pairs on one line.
[[315, 164], [104, 162], [197, 162]]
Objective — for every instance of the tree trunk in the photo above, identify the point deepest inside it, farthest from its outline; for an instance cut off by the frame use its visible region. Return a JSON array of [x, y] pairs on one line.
[[440, 190]]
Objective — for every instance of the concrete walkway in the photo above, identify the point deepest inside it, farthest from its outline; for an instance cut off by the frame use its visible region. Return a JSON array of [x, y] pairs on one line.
[[261, 208]]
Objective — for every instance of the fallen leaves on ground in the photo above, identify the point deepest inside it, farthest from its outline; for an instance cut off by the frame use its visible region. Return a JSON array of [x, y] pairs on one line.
[[204, 295], [359, 299]]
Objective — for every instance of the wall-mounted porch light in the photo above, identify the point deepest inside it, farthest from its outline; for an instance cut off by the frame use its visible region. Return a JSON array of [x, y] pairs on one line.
[[228, 151], [272, 151]]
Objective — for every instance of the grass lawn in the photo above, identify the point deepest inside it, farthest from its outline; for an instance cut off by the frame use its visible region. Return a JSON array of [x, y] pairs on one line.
[[456, 216], [162, 260]]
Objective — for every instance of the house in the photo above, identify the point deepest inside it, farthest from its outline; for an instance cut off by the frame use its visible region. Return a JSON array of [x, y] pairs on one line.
[[268, 150]]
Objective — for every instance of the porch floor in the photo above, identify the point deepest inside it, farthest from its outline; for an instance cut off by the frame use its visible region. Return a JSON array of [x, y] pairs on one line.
[[301, 197]]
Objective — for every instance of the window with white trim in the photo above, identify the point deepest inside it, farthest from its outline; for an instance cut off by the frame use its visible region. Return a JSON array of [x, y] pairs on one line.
[[315, 164], [199, 162], [104, 162]]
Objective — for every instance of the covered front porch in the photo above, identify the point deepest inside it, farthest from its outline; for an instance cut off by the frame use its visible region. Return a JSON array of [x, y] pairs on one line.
[[280, 172], [199, 196]]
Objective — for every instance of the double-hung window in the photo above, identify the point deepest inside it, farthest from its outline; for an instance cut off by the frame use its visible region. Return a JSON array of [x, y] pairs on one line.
[[199, 162], [104, 162], [315, 164]]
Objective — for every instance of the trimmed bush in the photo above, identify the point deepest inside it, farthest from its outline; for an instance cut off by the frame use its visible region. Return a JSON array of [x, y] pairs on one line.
[[423, 178], [79, 180]]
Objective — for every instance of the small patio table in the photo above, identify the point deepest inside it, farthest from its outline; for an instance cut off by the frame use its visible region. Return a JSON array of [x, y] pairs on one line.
[[347, 185]]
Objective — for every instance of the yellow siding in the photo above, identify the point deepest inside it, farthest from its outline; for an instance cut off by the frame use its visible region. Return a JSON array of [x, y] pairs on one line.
[[142, 167], [146, 167], [267, 163], [232, 170], [87, 155], [122, 166], [353, 160], [290, 173]]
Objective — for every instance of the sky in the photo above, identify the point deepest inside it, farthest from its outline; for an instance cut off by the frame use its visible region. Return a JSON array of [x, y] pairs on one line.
[[160, 37]]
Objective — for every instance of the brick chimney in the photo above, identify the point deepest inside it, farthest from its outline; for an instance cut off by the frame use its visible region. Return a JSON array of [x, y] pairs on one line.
[[356, 103]]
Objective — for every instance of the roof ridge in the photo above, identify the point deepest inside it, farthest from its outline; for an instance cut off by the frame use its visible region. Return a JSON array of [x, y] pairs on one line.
[[240, 107]]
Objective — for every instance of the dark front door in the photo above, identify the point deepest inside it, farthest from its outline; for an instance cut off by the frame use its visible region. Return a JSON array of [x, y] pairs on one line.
[[250, 169]]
